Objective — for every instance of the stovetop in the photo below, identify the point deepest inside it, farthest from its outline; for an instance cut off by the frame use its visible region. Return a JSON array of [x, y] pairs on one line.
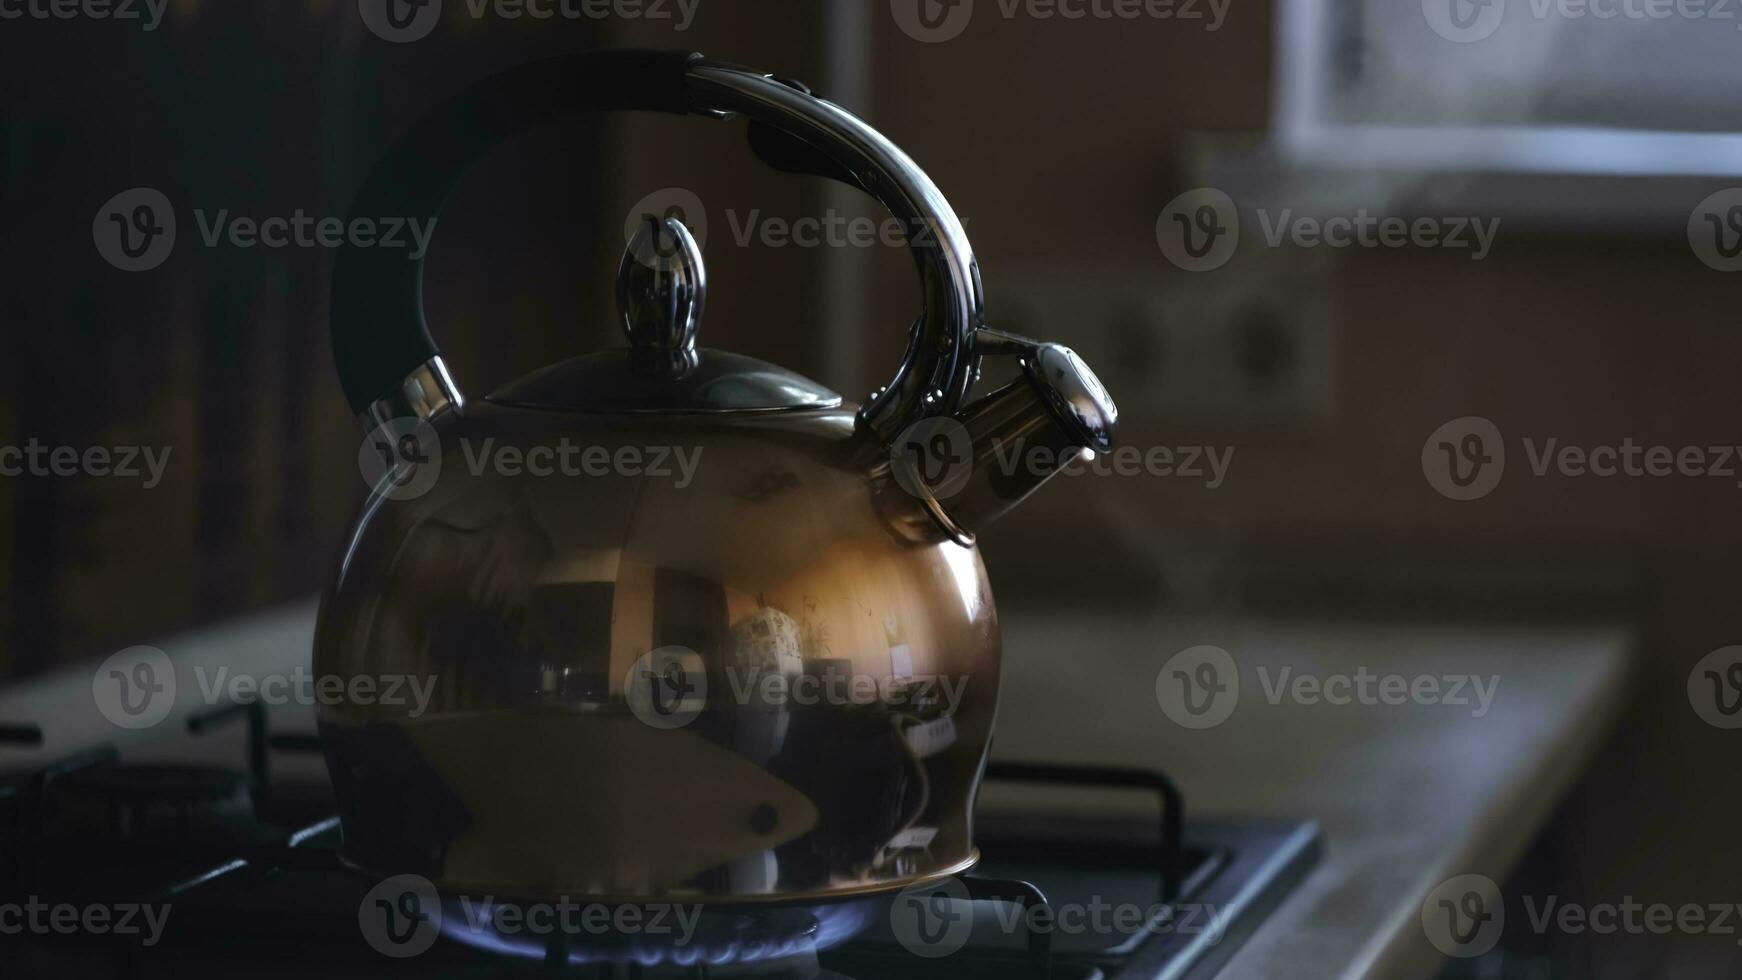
[[146, 871]]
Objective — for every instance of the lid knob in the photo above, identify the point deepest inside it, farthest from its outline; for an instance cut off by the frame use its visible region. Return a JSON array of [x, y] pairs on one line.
[[661, 288]]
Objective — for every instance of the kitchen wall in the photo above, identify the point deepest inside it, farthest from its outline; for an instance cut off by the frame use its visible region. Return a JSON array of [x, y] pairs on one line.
[[1590, 338]]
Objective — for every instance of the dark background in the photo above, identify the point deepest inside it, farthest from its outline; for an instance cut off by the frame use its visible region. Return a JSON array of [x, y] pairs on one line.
[[221, 354]]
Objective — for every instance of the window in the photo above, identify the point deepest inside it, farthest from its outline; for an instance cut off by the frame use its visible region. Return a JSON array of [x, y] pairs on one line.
[[1627, 88]]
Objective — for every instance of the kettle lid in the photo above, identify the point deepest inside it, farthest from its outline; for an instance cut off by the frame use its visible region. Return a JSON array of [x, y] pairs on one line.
[[661, 290]]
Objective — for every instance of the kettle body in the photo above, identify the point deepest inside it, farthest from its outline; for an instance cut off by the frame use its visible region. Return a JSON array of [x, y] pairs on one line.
[[723, 676], [678, 623]]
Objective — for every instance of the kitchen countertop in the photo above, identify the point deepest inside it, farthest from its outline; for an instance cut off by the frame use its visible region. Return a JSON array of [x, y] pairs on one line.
[[1407, 795]]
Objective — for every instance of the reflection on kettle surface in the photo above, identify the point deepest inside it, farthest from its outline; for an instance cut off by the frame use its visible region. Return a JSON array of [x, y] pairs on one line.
[[821, 725]]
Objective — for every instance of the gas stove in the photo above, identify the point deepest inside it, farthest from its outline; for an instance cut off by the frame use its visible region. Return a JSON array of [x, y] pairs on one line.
[[217, 850]]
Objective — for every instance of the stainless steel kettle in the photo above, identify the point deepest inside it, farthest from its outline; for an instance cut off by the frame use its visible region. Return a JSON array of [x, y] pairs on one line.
[[765, 669]]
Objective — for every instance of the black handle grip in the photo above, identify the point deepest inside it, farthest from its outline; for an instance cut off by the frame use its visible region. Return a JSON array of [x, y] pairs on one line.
[[378, 328]]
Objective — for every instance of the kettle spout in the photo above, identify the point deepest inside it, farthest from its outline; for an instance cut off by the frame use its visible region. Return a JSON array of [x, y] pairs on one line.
[[1021, 435]]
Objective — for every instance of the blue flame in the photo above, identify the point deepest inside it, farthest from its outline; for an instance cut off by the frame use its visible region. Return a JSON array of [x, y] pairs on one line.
[[726, 937]]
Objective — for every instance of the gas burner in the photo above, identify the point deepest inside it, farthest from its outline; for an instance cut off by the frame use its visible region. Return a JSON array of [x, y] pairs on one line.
[[151, 803], [247, 882], [673, 939]]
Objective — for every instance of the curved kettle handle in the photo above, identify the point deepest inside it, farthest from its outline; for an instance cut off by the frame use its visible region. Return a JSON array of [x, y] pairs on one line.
[[388, 363]]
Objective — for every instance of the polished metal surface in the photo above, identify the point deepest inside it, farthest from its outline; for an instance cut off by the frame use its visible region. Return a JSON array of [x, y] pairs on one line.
[[1075, 396], [662, 288], [1066, 385], [1005, 445], [941, 365], [661, 291], [427, 394], [739, 685], [623, 381], [907, 475], [1018, 444]]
